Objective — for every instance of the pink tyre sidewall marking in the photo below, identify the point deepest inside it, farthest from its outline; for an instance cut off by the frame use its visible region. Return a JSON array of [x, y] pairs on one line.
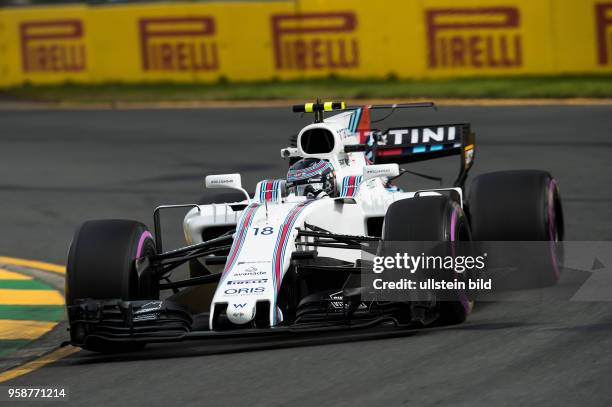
[[453, 226], [143, 237]]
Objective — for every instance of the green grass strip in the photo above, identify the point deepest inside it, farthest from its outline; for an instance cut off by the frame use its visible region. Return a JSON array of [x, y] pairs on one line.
[[32, 312], [536, 86], [24, 285]]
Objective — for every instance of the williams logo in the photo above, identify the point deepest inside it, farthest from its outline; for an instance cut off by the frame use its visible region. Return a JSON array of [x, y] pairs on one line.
[[178, 44], [315, 41], [603, 17], [52, 46], [149, 307], [480, 37]]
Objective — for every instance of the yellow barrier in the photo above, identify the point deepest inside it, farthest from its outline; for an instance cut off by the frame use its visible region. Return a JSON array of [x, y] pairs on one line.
[[296, 39]]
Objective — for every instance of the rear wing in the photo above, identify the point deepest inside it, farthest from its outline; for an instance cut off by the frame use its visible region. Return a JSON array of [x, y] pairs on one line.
[[404, 145]]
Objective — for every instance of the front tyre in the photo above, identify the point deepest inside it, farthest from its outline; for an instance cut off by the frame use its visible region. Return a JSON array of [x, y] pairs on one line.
[[101, 265]]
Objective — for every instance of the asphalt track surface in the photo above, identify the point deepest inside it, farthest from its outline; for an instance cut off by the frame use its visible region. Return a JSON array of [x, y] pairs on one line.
[[62, 167]]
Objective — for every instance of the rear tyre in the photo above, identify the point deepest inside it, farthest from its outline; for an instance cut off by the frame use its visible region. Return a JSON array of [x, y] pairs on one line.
[[431, 219], [519, 206], [101, 266]]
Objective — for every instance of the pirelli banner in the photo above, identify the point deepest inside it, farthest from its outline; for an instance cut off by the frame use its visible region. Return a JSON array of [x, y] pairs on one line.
[[298, 39]]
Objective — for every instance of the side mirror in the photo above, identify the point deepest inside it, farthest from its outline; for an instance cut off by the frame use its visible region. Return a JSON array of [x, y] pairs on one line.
[[380, 170], [289, 152], [231, 181]]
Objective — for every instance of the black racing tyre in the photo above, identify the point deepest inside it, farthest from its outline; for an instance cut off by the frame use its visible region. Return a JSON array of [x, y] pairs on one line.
[[515, 206], [101, 266], [431, 219], [519, 206]]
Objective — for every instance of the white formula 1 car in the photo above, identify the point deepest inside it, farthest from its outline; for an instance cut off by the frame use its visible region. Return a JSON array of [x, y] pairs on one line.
[[289, 257]]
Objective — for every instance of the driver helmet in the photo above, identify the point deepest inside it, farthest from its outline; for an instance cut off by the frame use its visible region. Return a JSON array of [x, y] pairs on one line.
[[311, 177]]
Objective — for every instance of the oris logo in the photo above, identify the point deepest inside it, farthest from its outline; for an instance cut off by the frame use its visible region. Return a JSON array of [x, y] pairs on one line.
[[603, 17], [52, 46], [315, 41], [178, 44], [244, 291], [478, 37]]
